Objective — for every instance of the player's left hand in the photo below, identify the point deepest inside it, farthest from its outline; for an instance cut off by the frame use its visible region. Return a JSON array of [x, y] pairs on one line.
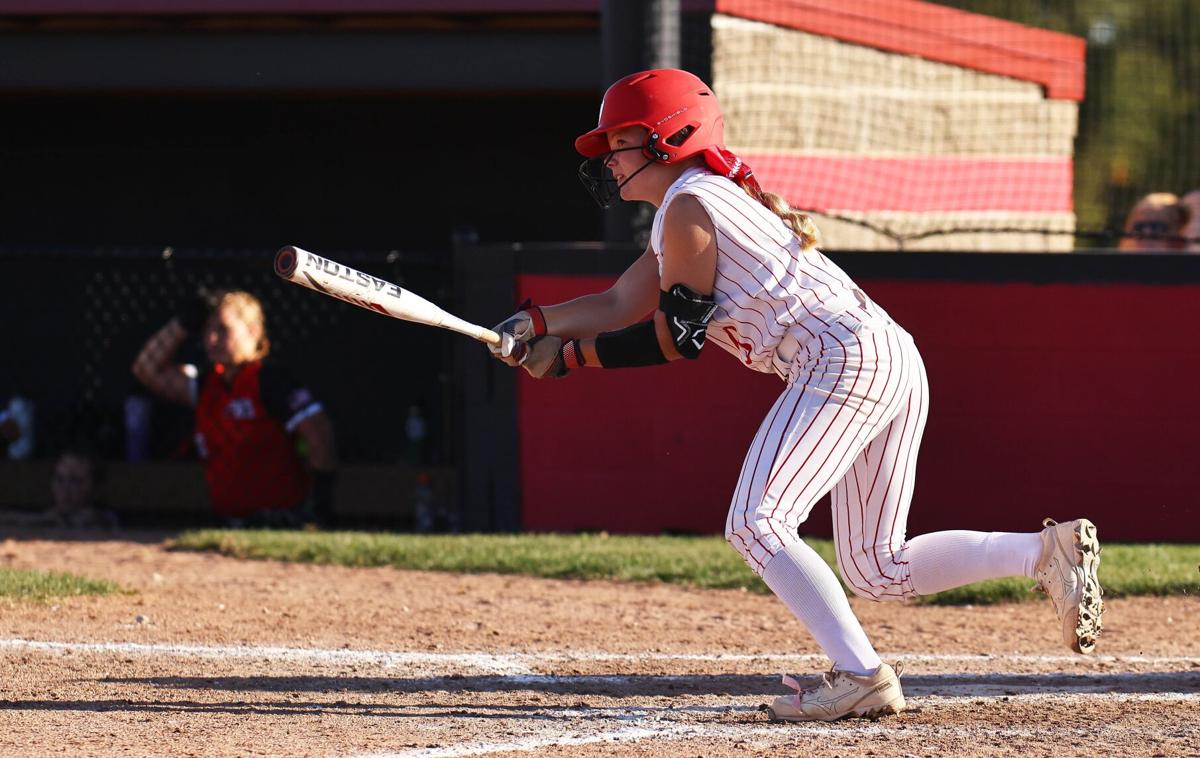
[[545, 358]]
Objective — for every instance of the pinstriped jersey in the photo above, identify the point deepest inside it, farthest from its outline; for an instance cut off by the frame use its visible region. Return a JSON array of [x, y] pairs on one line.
[[772, 297]]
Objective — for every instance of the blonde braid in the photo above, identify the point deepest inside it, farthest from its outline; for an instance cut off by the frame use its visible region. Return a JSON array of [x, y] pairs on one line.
[[800, 223]]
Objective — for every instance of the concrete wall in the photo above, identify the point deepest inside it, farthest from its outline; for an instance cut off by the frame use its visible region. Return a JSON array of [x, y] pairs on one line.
[[994, 143]]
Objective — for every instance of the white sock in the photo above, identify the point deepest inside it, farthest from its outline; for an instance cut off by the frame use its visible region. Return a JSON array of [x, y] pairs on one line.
[[809, 588], [944, 560]]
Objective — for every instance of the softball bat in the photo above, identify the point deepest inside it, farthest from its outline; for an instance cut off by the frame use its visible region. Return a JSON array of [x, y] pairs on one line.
[[357, 288]]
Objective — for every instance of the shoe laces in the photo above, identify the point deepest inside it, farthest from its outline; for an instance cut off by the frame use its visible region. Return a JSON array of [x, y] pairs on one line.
[[827, 679]]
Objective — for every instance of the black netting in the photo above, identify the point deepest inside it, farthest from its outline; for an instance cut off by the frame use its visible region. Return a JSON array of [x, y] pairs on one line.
[[76, 320]]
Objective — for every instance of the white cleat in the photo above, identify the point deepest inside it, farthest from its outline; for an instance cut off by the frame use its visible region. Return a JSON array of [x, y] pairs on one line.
[[1068, 573], [842, 695]]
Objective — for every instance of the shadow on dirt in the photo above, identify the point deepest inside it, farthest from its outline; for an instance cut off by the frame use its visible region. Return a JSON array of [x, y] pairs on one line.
[[943, 685]]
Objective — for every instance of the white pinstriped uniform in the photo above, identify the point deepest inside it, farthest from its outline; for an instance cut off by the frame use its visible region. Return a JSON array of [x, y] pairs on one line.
[[851, 417]]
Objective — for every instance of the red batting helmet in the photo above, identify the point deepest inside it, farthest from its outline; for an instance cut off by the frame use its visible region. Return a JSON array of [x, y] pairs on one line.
[[678, 109]]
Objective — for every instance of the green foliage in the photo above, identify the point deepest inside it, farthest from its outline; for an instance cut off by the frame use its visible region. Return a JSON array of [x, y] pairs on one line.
[[691, 561], [44, 585]]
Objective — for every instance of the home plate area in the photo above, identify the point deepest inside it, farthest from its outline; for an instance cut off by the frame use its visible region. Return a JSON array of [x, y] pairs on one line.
[[89, 698]]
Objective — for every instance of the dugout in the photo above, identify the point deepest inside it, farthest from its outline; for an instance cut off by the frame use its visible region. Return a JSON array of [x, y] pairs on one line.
[[70, 354]]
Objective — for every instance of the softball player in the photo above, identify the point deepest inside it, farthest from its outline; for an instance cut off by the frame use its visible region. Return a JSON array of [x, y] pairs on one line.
[[731, 264]]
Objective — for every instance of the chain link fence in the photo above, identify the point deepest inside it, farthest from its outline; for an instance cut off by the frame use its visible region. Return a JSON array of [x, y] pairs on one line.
[[76, 319]]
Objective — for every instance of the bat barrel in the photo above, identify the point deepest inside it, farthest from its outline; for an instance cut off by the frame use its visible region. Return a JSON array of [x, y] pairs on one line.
[[286, 261], [370, 292]]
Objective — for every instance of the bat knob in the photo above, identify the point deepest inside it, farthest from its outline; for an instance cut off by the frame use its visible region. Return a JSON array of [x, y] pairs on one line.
[[520, 351], [285, 261]]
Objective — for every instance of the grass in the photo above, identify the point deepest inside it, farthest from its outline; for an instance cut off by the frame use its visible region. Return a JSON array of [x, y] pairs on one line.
[[691, 561], [26, 584]]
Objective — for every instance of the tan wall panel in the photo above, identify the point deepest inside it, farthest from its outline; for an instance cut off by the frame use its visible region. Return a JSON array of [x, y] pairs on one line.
[[838, 234], [786, 91], [750, 51], [871, 123]]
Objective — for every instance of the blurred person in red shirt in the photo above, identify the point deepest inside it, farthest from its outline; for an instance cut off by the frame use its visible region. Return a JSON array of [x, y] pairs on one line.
[[250, 414]]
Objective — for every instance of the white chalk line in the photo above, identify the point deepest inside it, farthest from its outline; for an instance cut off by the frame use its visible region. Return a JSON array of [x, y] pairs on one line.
[[525, 744], [517, 664], [484, 662], [765, 732], [516, 668]]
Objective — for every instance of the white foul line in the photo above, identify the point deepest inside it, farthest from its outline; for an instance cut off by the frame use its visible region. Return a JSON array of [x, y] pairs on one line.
[[765, 731], [525, 744], [492, 664], [517, 664]]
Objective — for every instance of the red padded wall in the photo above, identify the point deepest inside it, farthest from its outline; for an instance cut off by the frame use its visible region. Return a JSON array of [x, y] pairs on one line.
[[1046, 400]]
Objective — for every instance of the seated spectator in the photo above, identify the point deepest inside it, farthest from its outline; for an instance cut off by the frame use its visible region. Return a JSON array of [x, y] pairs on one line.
[[248, 413], [1155, 223], [75, 486], [74, 490], [1191, 231]]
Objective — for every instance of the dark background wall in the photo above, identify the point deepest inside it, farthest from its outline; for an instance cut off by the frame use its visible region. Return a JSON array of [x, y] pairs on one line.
[[75, 319], [391, 172]]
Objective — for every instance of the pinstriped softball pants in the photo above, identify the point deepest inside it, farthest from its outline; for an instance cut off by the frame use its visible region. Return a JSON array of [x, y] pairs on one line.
[[850, 422]]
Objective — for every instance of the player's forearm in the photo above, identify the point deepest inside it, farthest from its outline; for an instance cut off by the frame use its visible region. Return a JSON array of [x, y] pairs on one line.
[[158, 351], [589, 315]]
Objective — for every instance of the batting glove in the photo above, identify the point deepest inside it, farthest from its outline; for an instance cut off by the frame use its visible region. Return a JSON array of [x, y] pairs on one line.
[[545, 358], [516, 332]]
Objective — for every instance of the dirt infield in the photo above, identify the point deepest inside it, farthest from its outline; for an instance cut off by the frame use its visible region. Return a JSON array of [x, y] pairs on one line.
[[216, 656]]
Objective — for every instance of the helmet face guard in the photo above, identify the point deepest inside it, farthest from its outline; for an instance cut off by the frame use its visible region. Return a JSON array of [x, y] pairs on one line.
[[598, 180]]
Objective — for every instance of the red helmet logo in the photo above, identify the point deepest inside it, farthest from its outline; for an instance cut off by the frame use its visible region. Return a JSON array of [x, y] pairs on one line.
[[678, 110]]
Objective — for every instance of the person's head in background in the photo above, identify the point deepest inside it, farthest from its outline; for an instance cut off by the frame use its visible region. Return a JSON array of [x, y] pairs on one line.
[[235, 333], [1191, 231], [1153, 222], [75, 481]]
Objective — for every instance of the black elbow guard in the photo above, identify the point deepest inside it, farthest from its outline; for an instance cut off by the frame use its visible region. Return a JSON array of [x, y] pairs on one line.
[[688, 314], [632, 346]]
